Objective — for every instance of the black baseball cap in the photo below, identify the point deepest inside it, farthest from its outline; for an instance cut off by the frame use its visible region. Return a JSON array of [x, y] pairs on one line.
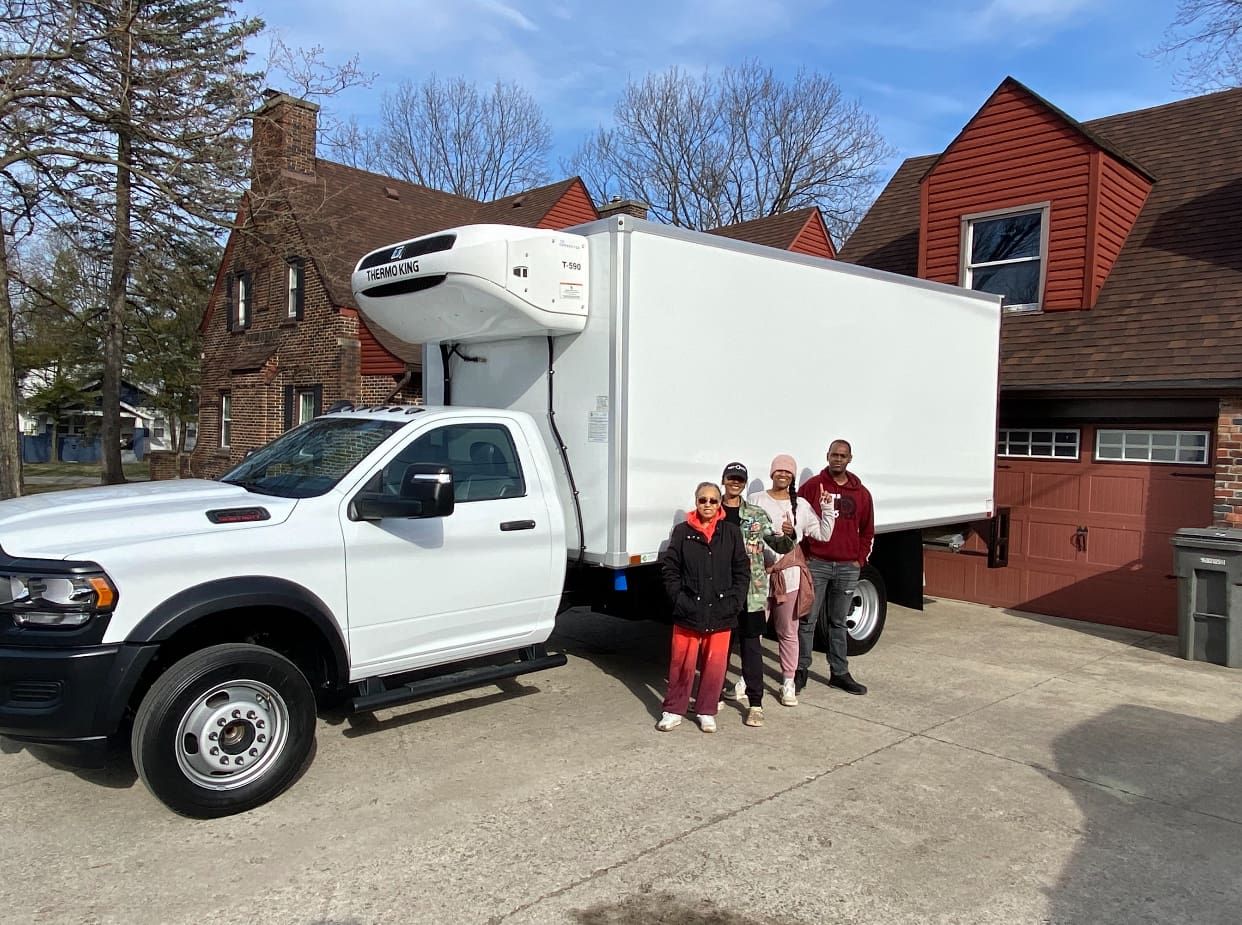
[[734, 470]]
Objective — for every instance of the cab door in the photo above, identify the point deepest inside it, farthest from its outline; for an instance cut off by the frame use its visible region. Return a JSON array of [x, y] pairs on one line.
[[423, 592]]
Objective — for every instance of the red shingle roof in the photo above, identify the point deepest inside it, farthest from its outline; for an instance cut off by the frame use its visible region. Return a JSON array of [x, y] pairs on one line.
[[780, 230], [1170, 313]]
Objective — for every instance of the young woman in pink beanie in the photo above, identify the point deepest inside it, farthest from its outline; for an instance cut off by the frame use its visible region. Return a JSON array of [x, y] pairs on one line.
[[792, 593]]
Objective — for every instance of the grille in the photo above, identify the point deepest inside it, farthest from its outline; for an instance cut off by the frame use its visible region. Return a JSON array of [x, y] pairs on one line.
[[31, 693]]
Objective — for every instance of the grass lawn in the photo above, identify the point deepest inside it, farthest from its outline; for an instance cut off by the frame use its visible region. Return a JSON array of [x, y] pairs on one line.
[[84, 470], [75, 475]]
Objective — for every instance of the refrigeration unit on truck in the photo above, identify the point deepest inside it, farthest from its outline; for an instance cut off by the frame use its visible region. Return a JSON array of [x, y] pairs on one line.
[[579, 385]]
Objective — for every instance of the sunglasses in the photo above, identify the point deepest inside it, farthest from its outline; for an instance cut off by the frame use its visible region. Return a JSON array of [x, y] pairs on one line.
[[709, 501]]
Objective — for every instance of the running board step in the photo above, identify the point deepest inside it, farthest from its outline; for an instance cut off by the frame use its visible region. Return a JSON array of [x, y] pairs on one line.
[[373, 695]]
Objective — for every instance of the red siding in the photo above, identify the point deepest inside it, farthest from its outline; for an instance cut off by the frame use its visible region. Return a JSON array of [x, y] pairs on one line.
[[573, 208], [1014, 152], [376, 361], [1121, 193], [813, 239]]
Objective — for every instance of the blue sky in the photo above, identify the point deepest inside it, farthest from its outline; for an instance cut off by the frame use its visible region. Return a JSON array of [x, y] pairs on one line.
[[922, 69]]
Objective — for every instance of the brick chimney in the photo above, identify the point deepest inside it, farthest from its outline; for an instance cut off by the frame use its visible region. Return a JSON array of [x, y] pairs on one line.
[[619, 206], [284, 136]]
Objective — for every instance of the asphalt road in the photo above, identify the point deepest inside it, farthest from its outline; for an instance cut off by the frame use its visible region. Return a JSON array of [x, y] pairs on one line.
[[1003, 768]]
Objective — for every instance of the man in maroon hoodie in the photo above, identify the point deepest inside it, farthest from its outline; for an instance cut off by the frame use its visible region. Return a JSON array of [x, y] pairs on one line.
[[835, 564]]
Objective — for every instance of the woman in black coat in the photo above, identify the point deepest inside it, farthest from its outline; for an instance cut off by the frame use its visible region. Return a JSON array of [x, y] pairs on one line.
[[706, 574]]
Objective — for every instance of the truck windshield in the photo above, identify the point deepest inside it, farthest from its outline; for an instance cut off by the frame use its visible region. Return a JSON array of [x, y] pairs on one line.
[[309, 460]]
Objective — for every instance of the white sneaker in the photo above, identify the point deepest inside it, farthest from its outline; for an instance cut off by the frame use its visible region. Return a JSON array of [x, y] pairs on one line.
[[669, 721], [788, 695], [706, 723], [738, 691]]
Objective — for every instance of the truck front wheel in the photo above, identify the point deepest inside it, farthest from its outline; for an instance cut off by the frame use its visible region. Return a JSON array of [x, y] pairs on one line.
[[865, 621], [224, 730]]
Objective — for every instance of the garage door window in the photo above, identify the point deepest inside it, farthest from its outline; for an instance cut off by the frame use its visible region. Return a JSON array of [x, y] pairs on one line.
[[1037, 444], [1152, 446]]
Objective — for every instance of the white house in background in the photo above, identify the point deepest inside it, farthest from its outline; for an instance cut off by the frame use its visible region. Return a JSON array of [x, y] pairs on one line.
[[138, 417]]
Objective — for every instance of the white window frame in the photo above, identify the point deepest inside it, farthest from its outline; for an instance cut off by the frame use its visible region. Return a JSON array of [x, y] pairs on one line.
[[157, 427], [226, 419], [1137, 440], [295, 282], [243, 301], [305, 406], [1005, 441], [967, 245]]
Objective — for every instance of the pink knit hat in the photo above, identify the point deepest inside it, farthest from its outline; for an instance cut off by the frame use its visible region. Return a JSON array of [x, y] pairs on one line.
[[784, 461]]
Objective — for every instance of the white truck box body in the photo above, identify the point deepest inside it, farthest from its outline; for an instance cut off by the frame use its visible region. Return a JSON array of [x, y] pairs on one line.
[[699, 350]]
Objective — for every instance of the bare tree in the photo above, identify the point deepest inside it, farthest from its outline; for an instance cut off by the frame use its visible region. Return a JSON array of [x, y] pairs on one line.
[[715, 150], [1207, 36], [451, 136], [127, 121]]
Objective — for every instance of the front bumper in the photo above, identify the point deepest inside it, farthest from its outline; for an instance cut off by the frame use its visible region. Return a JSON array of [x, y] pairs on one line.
[[72, 700]]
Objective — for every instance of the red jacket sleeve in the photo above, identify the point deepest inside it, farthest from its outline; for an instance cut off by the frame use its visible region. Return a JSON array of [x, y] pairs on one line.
[[866, 528]]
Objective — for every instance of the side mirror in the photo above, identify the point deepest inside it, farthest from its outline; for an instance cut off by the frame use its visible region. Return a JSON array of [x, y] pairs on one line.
[[426, 491]]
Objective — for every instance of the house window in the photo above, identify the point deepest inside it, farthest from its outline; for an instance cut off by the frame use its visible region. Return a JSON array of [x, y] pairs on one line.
[[296, 293], [306, 406], [157, 428], [1004, 255], [1153, 446], [226, 419], [242, 301], [1037, 444], [302, 404]]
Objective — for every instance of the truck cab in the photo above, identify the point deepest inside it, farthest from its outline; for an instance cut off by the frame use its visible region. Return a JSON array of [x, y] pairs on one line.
[[361, 557]]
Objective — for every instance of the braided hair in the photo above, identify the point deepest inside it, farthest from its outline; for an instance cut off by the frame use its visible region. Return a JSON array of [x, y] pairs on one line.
[[793, 500]]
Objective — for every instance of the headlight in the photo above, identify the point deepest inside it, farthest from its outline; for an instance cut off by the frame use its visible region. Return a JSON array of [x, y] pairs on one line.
[[55, 600]]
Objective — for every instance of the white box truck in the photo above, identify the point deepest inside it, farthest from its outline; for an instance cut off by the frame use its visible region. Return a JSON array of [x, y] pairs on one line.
[[581, 383], [650, 356]]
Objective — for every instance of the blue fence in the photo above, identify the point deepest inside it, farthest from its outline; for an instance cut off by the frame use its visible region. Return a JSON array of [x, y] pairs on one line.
[[37, 448]]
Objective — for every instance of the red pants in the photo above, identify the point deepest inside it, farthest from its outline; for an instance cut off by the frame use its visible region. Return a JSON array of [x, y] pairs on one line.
[[685, 659]]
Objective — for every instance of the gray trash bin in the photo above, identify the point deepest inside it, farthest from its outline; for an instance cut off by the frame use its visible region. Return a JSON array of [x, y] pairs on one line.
[[1209, 594]]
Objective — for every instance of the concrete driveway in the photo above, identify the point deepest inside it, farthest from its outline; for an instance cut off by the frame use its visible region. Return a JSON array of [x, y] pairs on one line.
[[1004, 768]]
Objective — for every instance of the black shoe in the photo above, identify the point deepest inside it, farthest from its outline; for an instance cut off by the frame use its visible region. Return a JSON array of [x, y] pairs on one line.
[[847, 684], [799, 680]]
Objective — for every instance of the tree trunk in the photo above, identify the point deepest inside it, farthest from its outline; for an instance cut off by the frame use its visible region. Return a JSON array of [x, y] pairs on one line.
[[53, 451], [118, 284], [10, 443]]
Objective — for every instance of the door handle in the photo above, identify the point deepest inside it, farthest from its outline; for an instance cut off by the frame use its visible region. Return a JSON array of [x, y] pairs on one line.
[[508, 526], [1080, 539]]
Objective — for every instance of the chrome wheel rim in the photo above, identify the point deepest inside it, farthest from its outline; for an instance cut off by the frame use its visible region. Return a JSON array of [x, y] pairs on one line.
[[232, 734], [864, 611]]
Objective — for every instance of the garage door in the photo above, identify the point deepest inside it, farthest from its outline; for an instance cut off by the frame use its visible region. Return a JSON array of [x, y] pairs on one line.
[[1092, 510]]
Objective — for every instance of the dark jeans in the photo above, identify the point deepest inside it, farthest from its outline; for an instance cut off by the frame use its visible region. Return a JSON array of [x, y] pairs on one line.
[[835, 585], [749, 634]]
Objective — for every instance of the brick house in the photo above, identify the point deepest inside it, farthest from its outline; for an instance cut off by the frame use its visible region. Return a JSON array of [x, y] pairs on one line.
[[1117, 244], [282, 339]]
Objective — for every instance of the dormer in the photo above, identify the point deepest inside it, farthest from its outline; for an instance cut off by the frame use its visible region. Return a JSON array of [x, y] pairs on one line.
[[1027, 203]]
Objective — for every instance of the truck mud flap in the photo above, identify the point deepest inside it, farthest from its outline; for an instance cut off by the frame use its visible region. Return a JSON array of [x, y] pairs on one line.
[[375, 694]]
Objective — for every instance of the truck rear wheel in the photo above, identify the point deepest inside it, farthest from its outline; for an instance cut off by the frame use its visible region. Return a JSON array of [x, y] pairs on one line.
[[865, 621], [224, 730]]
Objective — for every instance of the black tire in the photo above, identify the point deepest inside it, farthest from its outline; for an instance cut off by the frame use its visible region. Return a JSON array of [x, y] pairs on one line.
[[865, 621], [250, 704]]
